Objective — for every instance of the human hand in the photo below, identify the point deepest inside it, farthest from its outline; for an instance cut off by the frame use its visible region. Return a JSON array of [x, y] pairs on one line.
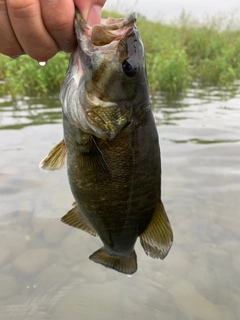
[[41, 28]]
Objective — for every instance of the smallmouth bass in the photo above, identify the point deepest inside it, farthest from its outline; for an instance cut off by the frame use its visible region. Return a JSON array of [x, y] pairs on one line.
[[111, 145]]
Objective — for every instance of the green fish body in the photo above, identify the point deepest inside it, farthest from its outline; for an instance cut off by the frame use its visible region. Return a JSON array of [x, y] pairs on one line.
[[111, 145]]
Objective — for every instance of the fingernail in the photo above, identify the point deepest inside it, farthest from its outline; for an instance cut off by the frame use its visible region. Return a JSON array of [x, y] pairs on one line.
[[94, 15]]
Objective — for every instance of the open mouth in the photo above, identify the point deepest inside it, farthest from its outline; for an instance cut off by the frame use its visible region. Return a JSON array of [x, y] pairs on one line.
[[109, 30]]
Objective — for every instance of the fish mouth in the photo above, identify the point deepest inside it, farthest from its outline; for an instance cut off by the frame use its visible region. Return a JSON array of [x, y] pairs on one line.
[[83, 102], [108, 33]]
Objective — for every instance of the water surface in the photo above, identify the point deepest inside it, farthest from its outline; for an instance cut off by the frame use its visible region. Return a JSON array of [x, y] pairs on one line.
[[44, 268]]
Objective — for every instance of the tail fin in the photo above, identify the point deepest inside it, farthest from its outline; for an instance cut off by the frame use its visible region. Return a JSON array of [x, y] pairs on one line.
[[127, 265]]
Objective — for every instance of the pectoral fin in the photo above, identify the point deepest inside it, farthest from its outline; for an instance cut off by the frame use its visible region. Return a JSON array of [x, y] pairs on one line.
[[94, 159], [91, 156], [98, 161], [74, 219], [55, 159], [157, 239]]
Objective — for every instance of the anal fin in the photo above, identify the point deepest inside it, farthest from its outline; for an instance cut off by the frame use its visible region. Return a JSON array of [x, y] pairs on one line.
[[157, 239], [127, 264], [55, 159], [74, 219]]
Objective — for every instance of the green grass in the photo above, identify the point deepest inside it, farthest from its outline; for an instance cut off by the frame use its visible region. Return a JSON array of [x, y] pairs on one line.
[[176, 55], [24, 75]]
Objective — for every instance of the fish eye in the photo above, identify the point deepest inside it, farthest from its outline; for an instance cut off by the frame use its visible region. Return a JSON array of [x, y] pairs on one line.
[[129, 67]]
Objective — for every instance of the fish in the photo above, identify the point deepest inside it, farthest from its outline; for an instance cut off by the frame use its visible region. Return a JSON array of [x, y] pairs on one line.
[[111, 145]]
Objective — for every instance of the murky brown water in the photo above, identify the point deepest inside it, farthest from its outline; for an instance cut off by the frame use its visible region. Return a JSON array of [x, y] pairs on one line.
[[44, 268]]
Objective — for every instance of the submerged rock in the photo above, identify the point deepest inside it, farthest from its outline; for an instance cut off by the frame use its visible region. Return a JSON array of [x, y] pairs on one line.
[[192, 303], [4, 255], [15, 242], [32, 261], [8, 285], [88, 301], [71, 246], [52, 276], [54, 231]]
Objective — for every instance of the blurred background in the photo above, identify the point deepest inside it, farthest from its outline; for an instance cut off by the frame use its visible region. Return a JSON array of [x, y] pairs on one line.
[[168, 10]]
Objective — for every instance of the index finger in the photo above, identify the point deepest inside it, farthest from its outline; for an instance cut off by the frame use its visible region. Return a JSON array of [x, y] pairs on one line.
[[9, 44], [28, 26], [58, 18]]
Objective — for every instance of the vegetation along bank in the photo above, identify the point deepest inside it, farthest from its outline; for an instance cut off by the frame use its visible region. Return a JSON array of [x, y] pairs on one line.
[[177, 54]]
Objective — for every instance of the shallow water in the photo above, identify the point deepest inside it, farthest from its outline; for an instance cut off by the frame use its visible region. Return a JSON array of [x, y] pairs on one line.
[[45, 272]]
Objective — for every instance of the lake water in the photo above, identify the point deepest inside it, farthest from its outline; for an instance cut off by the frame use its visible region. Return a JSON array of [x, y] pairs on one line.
[[45, 272]]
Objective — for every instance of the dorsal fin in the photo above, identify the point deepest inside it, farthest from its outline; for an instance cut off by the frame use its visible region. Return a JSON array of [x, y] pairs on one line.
[[55, 159]]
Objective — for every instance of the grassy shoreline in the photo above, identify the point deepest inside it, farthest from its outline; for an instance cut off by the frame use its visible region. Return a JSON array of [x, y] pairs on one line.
[[176, 55]]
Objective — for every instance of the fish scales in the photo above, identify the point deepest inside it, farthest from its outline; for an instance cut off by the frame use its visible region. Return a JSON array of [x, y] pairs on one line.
[[111, 145]]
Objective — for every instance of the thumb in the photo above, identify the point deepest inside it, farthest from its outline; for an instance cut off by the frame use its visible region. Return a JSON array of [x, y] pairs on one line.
[[90, 10]]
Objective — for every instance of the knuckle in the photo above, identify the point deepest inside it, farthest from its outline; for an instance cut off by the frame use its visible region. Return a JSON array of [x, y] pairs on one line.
[[22, 9], [57, 25]]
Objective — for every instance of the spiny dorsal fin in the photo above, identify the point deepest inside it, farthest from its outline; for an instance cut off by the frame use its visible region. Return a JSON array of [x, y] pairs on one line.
[[157, 239], [55, 159], [74, 219], [127, 265]]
